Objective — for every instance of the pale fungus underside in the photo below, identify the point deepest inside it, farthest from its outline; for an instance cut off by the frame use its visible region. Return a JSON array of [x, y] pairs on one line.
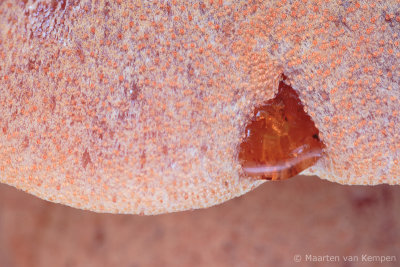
[[141, 106]]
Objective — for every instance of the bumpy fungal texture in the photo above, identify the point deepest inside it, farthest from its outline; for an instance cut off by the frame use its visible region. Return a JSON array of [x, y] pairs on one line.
[[139, 106]]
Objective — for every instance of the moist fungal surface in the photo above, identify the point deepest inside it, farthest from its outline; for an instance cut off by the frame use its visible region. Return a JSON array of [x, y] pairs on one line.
[[140, 106], [281, 139]]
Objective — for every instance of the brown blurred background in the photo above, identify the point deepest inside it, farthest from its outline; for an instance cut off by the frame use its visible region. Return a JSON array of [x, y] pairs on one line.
[[266, 227]]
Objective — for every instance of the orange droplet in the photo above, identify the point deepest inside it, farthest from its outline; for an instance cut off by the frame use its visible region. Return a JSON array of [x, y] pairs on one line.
[[281, 140]]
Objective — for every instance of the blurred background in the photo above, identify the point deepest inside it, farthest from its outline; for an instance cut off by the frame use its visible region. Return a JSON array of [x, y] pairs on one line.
[[277, 224]]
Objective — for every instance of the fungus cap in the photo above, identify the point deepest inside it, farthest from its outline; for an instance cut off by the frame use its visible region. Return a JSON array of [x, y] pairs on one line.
[[140, 106]]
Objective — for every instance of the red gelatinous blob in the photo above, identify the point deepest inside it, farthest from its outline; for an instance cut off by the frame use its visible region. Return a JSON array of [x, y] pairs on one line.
[[281, 140]]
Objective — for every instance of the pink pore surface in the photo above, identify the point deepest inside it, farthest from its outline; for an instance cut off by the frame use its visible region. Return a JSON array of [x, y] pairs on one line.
[[139, 107]]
